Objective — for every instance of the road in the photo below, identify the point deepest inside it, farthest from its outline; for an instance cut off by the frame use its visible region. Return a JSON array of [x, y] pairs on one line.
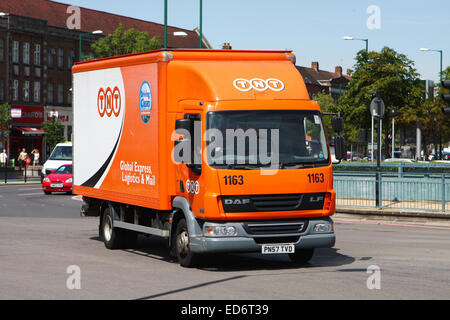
[[41, 236]]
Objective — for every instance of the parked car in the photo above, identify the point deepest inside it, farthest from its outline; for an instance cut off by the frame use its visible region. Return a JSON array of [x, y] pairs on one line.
[[59, 180]]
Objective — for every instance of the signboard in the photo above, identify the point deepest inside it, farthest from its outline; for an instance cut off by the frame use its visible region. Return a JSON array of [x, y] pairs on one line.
[[29, 115], [16, 113], [374, 107]]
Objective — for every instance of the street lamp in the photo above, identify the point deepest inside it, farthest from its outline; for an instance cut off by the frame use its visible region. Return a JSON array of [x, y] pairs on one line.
[[365, 40], [80, 56], [440, 51]]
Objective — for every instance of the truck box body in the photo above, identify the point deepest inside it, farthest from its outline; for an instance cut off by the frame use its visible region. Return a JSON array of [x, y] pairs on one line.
[[125, 113]]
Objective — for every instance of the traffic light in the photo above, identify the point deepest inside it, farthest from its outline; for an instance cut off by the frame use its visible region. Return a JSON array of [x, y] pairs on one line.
[[446, 97]]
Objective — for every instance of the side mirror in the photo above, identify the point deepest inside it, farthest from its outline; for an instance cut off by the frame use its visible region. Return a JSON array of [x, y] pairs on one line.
[[338, 124], [339, 148]]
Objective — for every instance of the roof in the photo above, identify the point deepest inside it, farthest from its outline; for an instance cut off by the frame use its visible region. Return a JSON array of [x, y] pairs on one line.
[[56, 15], [313, 77]]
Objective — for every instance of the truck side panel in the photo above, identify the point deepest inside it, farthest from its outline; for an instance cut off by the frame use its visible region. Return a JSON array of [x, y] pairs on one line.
[[123, 131]]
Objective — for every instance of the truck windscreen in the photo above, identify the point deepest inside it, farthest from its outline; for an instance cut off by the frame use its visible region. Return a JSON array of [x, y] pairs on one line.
[[275, 138]]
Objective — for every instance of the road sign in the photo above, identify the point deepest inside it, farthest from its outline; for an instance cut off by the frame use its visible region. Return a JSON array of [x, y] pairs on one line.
[[374, 105]]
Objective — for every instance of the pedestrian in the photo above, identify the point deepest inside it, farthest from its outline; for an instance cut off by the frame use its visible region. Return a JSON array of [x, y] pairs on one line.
[[35, 153], [3, 158], [22, 158]]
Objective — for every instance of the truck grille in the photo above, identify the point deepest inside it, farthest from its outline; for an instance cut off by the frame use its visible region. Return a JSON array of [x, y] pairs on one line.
[[273, 202], [276, 227], [277, 202]]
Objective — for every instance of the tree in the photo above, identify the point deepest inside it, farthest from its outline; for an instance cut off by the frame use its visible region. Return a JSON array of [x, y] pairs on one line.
[[124, 42], [54, 132], [390, 73], [326, 104], [5, 121]]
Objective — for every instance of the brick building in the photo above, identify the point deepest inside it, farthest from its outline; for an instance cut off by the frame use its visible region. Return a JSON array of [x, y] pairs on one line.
[[316, 80], [37, 52]]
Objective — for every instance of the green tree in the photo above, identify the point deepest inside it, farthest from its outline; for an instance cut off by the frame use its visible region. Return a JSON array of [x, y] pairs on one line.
[[54, 132], [124, 42], [5, 121], [326, 104], [390, 73]]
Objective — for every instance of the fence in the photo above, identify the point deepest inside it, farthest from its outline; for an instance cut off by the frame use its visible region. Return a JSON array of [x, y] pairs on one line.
[[414, 191], [13, 174]]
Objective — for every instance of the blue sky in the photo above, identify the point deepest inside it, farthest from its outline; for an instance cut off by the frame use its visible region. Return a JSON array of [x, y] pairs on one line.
[[312, 29]]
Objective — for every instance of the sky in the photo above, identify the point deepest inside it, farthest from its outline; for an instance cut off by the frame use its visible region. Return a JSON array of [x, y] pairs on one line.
[[314, 30]]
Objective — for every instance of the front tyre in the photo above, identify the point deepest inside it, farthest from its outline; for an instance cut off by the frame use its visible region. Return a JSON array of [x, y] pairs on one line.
[[301, 256], [185, 256]]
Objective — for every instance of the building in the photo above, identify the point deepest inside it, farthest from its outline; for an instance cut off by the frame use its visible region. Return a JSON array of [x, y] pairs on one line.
[[317, 80], [37, 52]]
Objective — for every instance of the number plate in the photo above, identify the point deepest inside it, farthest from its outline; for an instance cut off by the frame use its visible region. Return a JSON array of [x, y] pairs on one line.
[[278, 248], [60, 186]]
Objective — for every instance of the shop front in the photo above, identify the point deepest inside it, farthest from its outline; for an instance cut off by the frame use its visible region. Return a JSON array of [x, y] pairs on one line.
[[26, 132]]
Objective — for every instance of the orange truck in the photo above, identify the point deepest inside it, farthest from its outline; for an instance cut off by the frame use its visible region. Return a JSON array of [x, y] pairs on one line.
[[215, 151]]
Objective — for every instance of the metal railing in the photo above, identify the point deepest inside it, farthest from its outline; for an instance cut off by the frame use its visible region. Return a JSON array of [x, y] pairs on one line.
[[425, 192], [14, 174]]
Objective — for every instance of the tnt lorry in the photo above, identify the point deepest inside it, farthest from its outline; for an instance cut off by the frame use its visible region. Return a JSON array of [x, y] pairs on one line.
[[214, 151]]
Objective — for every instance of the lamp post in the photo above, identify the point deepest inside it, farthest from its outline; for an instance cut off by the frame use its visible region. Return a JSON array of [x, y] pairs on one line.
[[183, 34], [440, 52], [365, 40], [82, 34], [201, 24]]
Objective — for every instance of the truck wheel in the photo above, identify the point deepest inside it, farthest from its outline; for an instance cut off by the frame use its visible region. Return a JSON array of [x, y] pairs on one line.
[[301, 256], [115, 238], [185, 256]]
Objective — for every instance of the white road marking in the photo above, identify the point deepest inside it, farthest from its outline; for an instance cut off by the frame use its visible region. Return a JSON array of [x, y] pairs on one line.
[[30, 194]]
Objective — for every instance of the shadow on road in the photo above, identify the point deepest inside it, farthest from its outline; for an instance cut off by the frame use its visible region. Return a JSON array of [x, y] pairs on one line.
[[156, 248]]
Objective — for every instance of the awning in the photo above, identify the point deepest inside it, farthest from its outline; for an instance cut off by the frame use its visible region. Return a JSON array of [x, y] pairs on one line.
[[31, 131]]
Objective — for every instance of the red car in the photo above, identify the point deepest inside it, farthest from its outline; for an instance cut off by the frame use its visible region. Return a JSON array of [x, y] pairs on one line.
[[59, 180]]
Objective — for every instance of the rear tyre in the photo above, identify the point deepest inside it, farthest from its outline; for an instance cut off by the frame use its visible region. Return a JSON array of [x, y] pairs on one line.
[[115, 238], [47, 192], [185, 256], [301, 256]]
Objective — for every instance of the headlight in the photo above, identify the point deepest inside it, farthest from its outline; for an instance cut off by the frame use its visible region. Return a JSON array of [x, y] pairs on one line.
[[46, 179], [323, 228], [69, 180], [220, 231]]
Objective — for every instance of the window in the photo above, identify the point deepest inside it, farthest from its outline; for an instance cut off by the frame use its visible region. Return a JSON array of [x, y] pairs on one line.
[[37, 91], [2, 50], [70, 59], [26, 91], [26, 53], [69, 97], [50, 54], [60, 94], [15, 56], [2, 96], [50, 93], [15, 91], [60, 58], [37, 54]]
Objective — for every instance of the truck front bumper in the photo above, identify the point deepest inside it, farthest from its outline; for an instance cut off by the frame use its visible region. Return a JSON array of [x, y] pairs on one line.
[[244, 242]]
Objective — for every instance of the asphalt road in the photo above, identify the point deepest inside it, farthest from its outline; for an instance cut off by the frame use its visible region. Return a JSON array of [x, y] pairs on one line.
[[41, 236]]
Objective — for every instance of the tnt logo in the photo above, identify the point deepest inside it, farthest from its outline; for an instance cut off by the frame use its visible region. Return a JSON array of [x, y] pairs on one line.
[[109, 102], [258, 84]]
